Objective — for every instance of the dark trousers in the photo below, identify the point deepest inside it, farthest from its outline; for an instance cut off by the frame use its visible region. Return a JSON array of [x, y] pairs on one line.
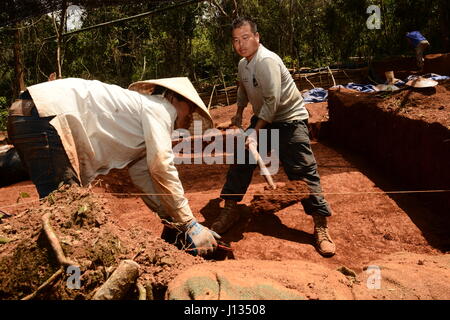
[[41, 151], [297, 159]]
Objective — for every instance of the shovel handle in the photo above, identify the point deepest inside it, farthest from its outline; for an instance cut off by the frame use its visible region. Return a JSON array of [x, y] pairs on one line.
[[262, 166]]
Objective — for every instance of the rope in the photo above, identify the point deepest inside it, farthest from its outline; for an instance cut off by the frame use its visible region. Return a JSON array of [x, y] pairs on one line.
[[249, 194], [280, 194]]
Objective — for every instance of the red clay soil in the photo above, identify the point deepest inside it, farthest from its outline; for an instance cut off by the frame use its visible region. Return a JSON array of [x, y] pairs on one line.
[[406, 133], [91, 238], [405, 66], [437, 63], [271, 201], [367, 223]]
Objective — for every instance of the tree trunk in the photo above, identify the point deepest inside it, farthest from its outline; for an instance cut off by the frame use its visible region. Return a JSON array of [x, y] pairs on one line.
[[59, 39], [237, 7], [291, 29], [18, 65], [444, 10]]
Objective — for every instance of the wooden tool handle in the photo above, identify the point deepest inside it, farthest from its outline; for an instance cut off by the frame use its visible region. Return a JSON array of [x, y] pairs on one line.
[[264, 171], [262, 166]]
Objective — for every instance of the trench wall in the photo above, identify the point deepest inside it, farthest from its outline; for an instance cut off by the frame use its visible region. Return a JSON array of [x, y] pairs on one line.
[[416, 153]]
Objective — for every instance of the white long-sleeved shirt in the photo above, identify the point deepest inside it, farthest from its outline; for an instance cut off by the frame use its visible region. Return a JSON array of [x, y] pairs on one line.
[[104, 126], [267, 84]]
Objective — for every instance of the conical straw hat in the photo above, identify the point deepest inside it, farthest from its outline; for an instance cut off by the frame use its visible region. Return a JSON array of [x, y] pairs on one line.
[[421, 83], [180, 85]]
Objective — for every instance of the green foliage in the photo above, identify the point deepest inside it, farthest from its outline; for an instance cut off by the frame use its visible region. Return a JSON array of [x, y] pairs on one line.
[[3, 119], [195, 41], [3, 113]]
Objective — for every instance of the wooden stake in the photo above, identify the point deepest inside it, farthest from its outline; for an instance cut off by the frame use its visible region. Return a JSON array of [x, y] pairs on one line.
[[334, 81]]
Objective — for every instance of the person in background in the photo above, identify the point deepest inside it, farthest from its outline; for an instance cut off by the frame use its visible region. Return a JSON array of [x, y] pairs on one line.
[[420, 44]]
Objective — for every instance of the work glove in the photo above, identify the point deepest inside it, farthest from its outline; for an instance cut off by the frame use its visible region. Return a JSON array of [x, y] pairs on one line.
[[199, 240]]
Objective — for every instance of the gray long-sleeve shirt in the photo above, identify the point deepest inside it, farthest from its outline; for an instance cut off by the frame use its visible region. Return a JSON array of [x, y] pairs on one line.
[[266, 83]]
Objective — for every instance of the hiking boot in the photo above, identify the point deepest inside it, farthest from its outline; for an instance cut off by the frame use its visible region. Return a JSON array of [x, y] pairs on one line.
[[324, 243], [227, 218]]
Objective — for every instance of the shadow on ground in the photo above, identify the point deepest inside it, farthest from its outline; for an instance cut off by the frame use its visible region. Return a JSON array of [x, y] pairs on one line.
[[266, 224]]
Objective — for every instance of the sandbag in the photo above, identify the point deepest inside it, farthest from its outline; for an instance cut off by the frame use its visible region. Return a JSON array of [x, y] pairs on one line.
[[11, 168], [259, 280]]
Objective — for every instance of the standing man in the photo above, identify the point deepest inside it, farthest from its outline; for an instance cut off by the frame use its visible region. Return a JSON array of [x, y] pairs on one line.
[[71, 130], [266, 83]]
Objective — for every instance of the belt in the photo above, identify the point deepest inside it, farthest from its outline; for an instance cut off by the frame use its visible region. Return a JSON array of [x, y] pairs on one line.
[[21, 107], [288, 123]]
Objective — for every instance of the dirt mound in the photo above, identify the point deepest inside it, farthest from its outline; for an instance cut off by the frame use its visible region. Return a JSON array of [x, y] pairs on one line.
[[426, 104], [406, 276], [405, 66], [90, 237], [260, 280], [318, 120], [401, 275], [437, 63], [271, 201]]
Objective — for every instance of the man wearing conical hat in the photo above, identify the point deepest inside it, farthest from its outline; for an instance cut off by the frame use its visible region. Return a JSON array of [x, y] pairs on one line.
[[72, 130]]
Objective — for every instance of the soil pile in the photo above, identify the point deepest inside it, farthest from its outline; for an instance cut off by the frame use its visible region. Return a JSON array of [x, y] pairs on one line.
[[405, 66], [425, 104], [261, 280], [91, 238], [405, 276], [399, 276], [271, 201]]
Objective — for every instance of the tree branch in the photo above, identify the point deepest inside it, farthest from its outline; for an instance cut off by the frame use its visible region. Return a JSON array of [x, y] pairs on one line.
[[220, 8], [49, 281]]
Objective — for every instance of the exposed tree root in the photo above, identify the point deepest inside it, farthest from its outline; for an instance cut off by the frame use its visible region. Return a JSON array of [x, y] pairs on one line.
[[54, 242], [118, 285], [49, 281]]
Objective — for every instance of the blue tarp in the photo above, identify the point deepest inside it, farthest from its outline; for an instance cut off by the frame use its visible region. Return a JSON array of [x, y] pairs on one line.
[[321, 95], [315, 95], [358, 87], [361, 87]]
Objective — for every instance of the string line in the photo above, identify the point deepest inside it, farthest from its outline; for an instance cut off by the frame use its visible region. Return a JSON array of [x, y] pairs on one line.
[[248, 194]]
